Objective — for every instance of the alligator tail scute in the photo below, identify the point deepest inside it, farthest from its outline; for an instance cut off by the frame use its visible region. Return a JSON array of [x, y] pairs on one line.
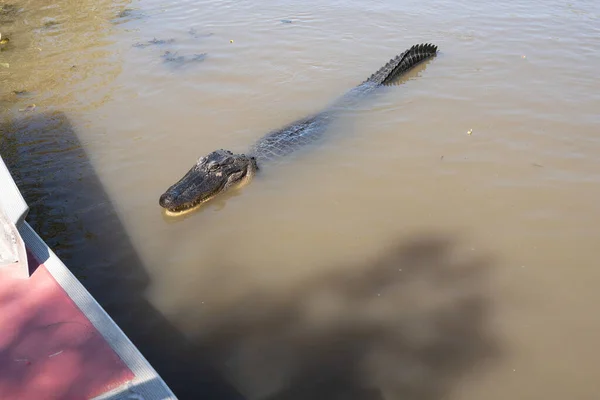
[[402, 63]]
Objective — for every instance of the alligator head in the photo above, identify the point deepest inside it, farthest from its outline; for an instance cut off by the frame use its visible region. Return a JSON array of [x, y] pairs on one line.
[[211, 175]]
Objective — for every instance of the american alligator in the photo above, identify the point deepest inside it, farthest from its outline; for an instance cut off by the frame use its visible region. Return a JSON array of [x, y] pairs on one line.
[[221, 170]]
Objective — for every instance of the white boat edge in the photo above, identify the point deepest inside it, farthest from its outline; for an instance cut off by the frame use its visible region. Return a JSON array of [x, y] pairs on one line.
[[13, 210], [147, 384]]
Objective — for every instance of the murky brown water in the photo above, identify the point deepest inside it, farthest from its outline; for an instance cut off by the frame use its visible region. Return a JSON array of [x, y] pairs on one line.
[[402, 258]]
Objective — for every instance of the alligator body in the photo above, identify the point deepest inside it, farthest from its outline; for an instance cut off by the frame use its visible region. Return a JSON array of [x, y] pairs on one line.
[[221, 170]]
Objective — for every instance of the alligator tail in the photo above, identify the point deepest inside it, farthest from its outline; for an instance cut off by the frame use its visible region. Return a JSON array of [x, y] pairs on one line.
[[403, 63]]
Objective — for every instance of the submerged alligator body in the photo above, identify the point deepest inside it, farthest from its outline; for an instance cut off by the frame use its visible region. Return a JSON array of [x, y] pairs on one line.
[[221, 170]]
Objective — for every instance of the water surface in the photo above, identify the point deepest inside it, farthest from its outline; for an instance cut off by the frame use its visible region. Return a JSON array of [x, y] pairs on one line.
[[400, 258]]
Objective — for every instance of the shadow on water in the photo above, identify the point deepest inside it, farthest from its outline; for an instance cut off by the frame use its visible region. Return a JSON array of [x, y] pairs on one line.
[[71, 211], [408, 324]]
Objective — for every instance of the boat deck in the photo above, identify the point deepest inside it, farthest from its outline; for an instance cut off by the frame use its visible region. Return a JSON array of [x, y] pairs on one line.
[[56, 341], [48, 348]]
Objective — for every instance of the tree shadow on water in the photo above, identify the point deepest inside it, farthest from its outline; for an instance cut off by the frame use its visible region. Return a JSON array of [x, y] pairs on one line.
[[71, 211], [409, 324]]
